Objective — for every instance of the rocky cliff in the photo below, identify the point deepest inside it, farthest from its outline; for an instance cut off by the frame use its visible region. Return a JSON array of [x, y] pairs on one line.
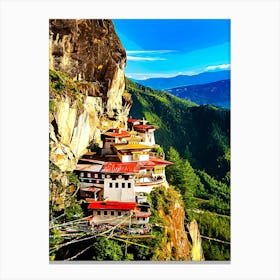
[[169, 217], [87, 84]]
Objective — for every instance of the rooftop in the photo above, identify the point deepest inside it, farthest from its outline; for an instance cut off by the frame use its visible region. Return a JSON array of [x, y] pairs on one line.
[[131, 147], [139, 214], [89, 167], [120, 134], [132, 120], [144, 127], [120, 167], [112, 205], [90, 189], [159, 161]]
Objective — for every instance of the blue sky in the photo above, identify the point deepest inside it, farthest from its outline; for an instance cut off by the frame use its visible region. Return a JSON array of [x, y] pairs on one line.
[[166, 48]]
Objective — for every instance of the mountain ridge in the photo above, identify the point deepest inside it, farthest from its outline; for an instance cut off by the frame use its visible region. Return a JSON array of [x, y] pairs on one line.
[[184, 80], [215, 93]]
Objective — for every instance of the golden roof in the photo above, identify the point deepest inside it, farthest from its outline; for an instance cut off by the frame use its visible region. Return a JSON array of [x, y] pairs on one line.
[[132, 147]]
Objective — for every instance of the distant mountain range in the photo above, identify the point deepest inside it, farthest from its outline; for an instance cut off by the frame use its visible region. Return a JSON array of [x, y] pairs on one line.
[[216, 93], [185, 80]]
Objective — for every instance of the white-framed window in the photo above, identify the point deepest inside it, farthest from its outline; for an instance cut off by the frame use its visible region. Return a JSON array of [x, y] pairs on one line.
[[95, 175], [82, 174], [88, 175], [120, 176], [129, 185], [110, 185], [103, 176], [105, 212], [123, 185], [108, 176]]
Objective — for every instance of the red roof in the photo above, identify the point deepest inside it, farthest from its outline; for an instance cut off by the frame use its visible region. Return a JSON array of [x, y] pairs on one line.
[[120, 167], [88, 218], [144, 127], [90, 189], [112, 205], [133, 120], [159, 161], [146, 163], [121, 134], [142, 214]]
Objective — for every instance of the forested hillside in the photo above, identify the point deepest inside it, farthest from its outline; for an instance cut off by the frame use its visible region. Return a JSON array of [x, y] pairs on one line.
[[199, 133], [197, 139]]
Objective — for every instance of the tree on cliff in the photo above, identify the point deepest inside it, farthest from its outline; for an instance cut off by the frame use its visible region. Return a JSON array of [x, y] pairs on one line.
[[183, 177]]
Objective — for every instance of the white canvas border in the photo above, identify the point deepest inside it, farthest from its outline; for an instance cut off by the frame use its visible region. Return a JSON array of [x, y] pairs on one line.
[[255, 138]]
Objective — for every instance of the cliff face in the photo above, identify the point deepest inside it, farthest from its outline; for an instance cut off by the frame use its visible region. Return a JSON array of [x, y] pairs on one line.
[[88, 50], [169, 216], [90, 99], [176, 246]]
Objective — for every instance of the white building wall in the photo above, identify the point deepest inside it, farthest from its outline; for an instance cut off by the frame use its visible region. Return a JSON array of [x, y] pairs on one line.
[[125, 158], [130, 158], [144, 189], [115, 219], [111, 219], [140, 221], [144, 157], [148, 138], [119, 190], [151, 138]]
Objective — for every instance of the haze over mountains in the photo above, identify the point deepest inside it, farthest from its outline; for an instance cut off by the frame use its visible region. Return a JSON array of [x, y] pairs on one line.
[[205, 88], [185, 80], [216, 93]]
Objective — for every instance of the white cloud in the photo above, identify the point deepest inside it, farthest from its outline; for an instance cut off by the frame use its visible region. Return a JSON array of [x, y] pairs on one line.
[[217, 67], [144, 76], [147, 55], [140, 58], [150, 51]]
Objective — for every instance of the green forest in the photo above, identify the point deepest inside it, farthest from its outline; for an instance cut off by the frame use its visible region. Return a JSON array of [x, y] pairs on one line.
[[197, 139]]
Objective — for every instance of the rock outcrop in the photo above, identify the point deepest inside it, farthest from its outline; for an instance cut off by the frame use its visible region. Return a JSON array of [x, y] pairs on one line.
[[88, 50], [170, 212], [196, 251], [90, 100], [177, 244]]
